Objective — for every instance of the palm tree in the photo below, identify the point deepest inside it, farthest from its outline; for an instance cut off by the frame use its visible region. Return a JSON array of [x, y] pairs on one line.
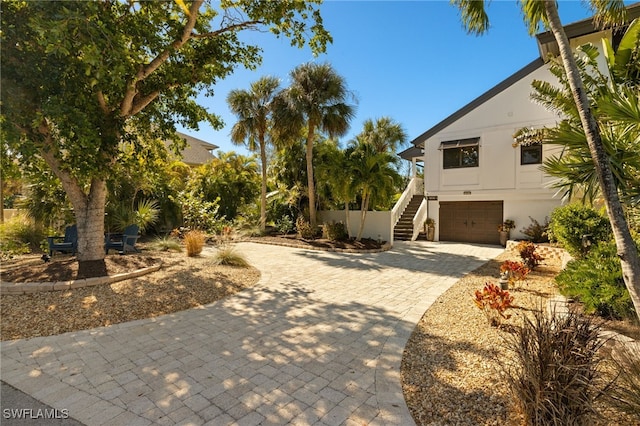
[[373, 174], [253, 108], [384, 134], [316, 99], [606, 12]]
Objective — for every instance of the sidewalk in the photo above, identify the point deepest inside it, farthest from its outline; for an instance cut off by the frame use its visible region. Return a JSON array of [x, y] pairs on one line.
[[318, 341]]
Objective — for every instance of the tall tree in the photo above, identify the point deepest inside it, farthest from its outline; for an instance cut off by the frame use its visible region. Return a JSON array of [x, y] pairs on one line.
[[384, 134], [80, 77], [606, 13], [373, 174], [253, 108], [316, 99]]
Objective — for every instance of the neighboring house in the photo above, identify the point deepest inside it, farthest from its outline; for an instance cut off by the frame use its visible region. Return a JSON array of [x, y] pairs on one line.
[[474, 175], [197, 151]]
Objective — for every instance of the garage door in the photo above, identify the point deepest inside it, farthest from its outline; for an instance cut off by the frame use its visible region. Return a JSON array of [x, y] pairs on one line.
[[470, 221]]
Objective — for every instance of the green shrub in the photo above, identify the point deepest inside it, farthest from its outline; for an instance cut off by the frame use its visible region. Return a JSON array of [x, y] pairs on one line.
[[597, 282], [335, 231], [284, 225], [556, 372], [304, 228], [20, 235], [570, 223]]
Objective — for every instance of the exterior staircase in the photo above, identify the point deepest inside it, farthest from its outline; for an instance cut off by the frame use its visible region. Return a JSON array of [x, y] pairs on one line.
[[403, 230]]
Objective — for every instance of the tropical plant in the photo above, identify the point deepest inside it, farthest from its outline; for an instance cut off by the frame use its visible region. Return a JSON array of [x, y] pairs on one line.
[[145, 214], [572, 223], [19, 235], [253, 108], [316, 100], [373, 176], [384, 134], [545, 12], [305, 230], [527, 251], [82, 77], [335, 231], [230, 178], [514, 271], [596, 281], [494, 302], [227, 255]]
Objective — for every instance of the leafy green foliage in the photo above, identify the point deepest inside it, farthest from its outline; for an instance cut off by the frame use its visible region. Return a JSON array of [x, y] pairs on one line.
[[82, 80], [198, 213], [335, 231], [570, 223], [230, 178], [145, 214], [19, 235], [596, 281], [305, 230], [285, 225], [556, 375]]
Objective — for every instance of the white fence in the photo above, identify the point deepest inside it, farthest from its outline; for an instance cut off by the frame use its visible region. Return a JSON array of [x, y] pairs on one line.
[[377, 225]]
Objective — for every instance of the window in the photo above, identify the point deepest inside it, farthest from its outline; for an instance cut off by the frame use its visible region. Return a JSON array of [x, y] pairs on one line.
[[531, 154], [460, 153]]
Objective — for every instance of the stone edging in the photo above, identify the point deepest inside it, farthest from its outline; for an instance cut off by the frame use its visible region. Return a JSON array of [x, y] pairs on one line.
[[385, 247], [7, 288]]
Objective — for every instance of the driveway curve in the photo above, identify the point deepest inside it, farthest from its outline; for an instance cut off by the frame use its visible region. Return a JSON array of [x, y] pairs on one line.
[[318, 341]]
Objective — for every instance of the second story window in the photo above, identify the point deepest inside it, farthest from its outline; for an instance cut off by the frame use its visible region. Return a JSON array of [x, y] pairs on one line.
[[531, 154], [460, 153]]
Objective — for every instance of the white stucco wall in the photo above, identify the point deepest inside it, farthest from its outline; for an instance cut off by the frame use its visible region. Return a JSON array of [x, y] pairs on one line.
[[377, 224]]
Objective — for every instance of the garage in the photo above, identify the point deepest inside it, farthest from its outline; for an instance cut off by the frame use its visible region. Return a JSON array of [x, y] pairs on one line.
[[470, 221]]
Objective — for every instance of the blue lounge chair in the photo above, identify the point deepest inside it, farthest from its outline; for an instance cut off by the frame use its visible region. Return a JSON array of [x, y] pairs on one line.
[[124, 242], [66, 244]]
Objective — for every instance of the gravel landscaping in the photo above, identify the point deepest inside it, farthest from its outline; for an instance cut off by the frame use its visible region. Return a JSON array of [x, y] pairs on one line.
[[451, 368]]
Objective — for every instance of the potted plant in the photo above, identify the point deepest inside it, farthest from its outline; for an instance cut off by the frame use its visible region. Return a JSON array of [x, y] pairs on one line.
[[504, 229], [430, 225]]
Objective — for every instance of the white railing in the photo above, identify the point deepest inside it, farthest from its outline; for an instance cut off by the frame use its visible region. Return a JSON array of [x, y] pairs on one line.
[[414, 187], [419, 219]]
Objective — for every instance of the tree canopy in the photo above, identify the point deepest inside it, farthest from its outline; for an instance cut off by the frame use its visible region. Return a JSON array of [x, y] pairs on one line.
[[79, 78]]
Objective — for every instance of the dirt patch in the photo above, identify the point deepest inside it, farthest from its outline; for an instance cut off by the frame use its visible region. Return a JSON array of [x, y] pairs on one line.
[[181, 283]]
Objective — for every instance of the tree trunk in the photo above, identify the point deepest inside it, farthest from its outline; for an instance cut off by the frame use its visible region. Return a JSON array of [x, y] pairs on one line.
[[87, 208], [347, 221], [310, 183], [627, 251], [263, 193], [363, 214]]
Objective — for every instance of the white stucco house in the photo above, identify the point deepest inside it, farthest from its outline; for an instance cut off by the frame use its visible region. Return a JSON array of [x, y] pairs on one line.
[[474, 177]]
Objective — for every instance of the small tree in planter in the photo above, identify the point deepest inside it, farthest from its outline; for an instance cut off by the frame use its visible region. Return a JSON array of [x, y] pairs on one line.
[[430, 226], [504, 229]]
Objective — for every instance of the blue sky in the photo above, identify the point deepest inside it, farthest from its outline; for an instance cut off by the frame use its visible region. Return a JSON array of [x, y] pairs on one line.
[[409, 60]]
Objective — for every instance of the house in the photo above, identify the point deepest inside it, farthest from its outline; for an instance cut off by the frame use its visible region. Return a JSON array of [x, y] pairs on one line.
[[197, 151], [475, 177]]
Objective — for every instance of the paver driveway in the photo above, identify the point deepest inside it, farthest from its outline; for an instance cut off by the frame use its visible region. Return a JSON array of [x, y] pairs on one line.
[[318, 341]]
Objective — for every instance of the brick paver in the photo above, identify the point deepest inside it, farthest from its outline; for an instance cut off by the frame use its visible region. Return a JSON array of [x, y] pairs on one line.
[[318, 341]]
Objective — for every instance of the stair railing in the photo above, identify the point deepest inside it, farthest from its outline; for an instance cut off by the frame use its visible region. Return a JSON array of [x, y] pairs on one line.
[[402, 203], [419, 219]]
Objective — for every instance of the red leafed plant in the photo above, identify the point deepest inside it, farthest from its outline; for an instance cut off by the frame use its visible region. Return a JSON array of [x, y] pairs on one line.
[[528, 254], [514, 271], [494, 302]]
